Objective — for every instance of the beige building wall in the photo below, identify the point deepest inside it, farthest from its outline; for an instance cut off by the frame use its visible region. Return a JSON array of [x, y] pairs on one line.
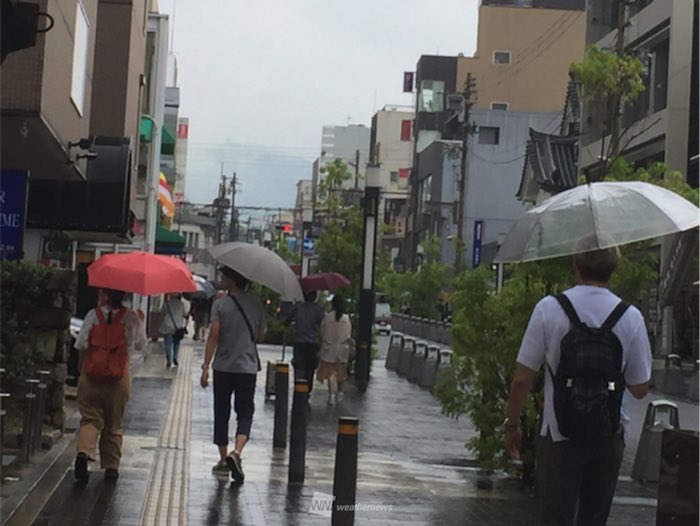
[[542, 44], [666, 130], [392, 153]]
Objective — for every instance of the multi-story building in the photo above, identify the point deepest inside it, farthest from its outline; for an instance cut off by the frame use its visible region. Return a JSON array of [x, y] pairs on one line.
[[523, 53], [660, 125], [391, 149], [520, 44], [348, 143], [495, 157]]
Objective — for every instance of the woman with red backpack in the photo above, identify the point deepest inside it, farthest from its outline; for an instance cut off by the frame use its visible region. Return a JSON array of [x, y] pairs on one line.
[[108, 334]]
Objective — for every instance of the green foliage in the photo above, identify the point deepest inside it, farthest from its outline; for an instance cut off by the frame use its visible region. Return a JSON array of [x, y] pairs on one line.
[[486, 334], [605, 74], [418, 290], [336, 174], [658, 174], [20, 293]]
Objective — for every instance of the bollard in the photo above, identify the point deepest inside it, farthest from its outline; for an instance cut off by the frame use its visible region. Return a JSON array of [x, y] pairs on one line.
[[3, 413], [648, 456], [409, 347], [279, 433], [430, 369], [678, 478], [417, 362], [29, 418], [394, 355], [345, 474], [40, 404], [444, 366], [297, 432]]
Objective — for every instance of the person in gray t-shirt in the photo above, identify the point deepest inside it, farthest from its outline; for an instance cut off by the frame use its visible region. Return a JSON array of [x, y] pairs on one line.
[[307, 318], [237, 325]]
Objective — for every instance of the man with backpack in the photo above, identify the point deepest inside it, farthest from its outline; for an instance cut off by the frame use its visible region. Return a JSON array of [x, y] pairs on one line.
[[108, 334], [593, 346]]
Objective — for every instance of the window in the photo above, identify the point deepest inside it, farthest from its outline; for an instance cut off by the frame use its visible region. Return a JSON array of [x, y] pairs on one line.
[[488, 135], [501, 57], [432, 93], [394, 177], [406, 130], [499, 106], [80, 57], [655, 79], [425, 193]]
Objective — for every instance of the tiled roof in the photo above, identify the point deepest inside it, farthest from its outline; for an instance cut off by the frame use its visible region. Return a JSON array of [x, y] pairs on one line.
[[551, 161]]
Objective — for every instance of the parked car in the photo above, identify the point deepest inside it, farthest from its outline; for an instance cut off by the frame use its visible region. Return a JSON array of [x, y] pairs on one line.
[[382, 318], [72, 366]]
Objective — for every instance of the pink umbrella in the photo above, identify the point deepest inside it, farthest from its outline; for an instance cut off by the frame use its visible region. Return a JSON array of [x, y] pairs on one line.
[[142, 273], [323, 281]]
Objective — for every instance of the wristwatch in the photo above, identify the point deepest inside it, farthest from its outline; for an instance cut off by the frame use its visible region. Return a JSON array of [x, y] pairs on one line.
[[205, 367]]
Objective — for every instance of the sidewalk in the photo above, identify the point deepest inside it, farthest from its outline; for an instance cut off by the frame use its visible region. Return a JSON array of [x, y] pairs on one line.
[[411, 460]]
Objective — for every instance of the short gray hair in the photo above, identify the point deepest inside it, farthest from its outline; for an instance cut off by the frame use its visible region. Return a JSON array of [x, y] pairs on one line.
[[594, 263]]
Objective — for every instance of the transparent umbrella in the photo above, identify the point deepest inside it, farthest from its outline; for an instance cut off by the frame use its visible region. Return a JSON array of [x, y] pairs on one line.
[[625, 211]]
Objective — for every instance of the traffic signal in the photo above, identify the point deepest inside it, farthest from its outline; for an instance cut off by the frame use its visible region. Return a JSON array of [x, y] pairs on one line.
[[284, 227]]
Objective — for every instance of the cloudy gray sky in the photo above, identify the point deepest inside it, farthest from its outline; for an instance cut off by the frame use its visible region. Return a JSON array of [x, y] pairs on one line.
[[259, 79]]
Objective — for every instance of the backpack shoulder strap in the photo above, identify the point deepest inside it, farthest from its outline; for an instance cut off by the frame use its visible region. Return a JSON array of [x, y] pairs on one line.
[[565, 303], [615, 315]]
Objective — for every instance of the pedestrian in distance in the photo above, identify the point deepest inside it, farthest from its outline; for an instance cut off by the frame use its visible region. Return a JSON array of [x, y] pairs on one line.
[[237, 325], [335, 349], [109, 334], [592, 346], [199, 311], [307, 317], [173, 323]]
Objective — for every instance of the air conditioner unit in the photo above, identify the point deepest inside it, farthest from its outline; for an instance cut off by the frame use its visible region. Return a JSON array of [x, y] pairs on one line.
[[454, 102]]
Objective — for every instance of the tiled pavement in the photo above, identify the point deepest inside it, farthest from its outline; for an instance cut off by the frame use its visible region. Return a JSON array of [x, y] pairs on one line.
[[411, 459]]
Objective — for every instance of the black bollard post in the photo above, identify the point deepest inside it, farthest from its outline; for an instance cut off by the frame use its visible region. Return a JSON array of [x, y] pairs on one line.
[[297, 433], [279, 433], [40, 403], [28, 424], [345, 476]]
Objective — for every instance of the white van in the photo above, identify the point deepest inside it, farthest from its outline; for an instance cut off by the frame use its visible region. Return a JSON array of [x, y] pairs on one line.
[[382, 318]]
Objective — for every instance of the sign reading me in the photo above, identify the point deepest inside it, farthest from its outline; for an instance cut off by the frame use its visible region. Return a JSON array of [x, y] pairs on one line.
[[13, 206]]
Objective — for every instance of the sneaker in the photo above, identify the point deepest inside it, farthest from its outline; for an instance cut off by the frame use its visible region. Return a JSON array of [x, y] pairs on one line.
[[81, 468], [168, 365], [175, 363], [221, 468], [111, 474], [338, 397], [331, 401], [234, 464]]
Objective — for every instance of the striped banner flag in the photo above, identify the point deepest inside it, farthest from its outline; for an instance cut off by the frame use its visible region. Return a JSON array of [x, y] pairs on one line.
[[165, 197]]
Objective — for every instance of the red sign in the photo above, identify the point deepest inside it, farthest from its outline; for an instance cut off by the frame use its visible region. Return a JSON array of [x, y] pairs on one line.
[[182, 130], [403, 172]]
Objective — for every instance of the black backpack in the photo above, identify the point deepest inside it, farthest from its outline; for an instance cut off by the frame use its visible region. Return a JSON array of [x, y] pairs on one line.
[[589, 384]]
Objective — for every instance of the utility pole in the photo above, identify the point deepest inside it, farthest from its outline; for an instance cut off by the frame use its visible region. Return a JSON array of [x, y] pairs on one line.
[[468, 129], [220, 207], [616, 102], [357, 168], [233, 227]]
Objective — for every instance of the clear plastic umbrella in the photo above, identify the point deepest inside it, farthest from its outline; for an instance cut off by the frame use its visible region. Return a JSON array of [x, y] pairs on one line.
[[260, 265], [625, 211]]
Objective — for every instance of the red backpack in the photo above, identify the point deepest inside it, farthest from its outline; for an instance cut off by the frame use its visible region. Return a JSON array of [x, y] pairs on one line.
[[107, 355]]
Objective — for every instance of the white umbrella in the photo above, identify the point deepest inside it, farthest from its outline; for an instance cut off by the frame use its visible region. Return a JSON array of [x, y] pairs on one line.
[[625, 211], [260, 265]]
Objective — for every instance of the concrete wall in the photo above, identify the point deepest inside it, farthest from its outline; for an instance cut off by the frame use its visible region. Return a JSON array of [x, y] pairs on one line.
[[542, 42]]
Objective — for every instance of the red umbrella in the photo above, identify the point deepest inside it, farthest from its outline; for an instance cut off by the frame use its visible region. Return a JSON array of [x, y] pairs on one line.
[[323, 281], [142, 273]]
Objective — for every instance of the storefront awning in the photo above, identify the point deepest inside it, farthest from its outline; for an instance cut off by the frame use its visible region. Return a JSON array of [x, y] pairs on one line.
[[167, 143], [168, 242]]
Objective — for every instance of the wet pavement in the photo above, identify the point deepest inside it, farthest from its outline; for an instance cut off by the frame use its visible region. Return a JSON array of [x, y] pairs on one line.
[[412, 469]]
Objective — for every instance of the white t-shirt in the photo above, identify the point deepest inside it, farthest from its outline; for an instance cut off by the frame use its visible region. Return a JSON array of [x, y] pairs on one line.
[[548, 325], [135, 333]]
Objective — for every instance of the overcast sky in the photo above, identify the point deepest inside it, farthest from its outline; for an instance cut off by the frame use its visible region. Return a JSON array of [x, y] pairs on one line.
[[259, 79]]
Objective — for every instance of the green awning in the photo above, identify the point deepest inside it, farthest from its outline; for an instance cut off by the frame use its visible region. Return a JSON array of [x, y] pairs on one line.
[[146, 129], [167, 143], [168, 242]]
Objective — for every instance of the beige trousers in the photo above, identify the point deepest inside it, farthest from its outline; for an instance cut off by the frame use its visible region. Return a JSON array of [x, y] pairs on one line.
[[102, 410]]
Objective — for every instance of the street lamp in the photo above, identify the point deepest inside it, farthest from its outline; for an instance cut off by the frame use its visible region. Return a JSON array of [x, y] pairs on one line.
[[366, 304]]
